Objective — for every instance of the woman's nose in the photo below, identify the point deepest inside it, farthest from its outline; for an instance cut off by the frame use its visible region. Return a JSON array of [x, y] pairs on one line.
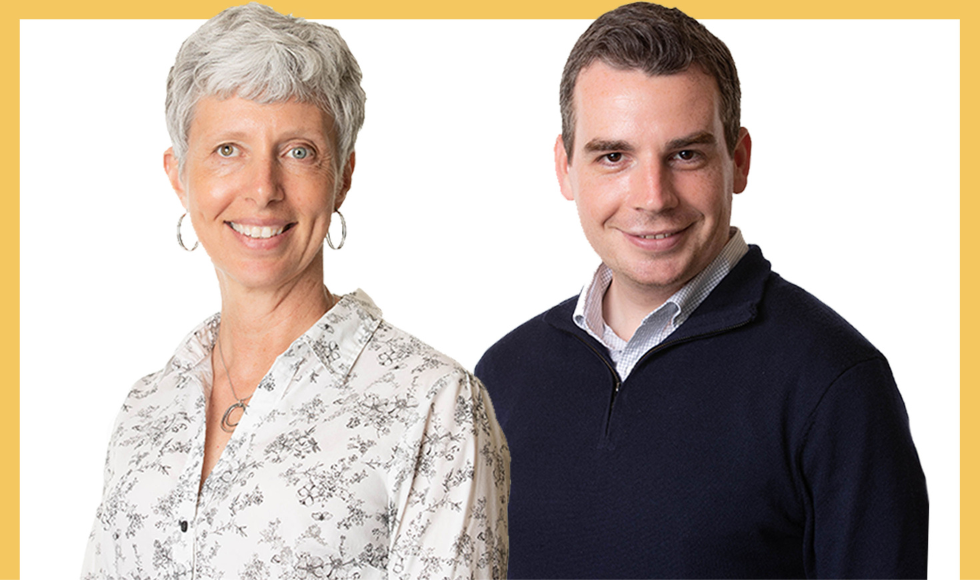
[[265, 184]]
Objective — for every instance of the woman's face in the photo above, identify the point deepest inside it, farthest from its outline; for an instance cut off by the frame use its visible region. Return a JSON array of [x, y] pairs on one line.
[[259, 184]]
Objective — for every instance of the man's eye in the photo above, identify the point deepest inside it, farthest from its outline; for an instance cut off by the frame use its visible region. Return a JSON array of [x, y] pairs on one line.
[[299, 152], [613, 157], [227, 150], [687, 155]]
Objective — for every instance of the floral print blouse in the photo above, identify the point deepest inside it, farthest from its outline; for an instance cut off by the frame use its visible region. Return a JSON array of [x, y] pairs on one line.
[[363, 453]]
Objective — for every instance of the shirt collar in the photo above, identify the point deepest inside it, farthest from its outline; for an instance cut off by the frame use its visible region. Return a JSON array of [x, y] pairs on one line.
[[588, 309], [336, 339], [340, 335], [196, 346]]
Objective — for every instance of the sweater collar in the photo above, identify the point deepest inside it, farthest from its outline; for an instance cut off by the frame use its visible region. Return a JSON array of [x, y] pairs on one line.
[[734, 302]]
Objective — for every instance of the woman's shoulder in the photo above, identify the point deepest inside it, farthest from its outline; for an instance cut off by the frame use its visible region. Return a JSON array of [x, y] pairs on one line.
[[180, 370], [393, 349], [404, 345], [449, 402], [397, 364], [432, 376]]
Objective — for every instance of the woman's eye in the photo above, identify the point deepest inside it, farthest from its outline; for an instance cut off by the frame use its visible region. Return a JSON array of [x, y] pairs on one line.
[[226, 150], [300, 152]]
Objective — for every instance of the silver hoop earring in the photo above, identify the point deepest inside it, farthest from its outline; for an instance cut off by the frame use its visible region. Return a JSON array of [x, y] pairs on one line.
[[180, 239], [343, 232]]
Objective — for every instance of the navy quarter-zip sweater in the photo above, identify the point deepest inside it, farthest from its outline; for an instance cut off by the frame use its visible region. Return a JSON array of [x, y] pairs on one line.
[[765, 438]]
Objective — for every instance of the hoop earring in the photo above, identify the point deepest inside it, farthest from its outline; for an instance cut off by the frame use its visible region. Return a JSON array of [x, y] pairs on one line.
[[180, 239], [343, 232]]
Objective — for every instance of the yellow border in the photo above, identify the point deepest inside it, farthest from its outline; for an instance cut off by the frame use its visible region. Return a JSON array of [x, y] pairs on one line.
[[113, 9], [502, 9]]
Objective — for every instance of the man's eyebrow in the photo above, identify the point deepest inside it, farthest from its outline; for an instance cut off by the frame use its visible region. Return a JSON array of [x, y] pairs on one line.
[[701, 138], [599, 145]]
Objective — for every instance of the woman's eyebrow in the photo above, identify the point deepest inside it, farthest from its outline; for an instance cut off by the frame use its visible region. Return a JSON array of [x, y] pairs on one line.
[[224, 135]]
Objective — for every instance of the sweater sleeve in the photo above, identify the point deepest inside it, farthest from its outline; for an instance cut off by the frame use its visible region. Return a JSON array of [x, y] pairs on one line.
[[867, 512]]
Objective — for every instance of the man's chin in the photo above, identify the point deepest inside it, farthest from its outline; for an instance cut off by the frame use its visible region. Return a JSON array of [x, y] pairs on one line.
[[659, 283]]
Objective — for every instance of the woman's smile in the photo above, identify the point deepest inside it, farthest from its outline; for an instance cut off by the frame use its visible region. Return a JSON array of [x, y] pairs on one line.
[[259, 231]]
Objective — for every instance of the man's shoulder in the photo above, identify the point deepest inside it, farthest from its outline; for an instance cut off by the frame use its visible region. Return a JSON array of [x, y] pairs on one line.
[[776, 308], [547, 322], [789, 309], [530, 340]]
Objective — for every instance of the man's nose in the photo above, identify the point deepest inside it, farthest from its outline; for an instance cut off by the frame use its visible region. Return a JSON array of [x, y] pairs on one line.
[[653, 189]]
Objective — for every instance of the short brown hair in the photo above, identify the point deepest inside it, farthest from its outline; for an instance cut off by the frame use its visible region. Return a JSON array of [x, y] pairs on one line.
[[658, 41]]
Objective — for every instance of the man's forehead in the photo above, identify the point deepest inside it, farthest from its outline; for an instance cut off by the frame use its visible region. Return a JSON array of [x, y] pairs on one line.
[[601, 66], [600, 72], [609, 97]]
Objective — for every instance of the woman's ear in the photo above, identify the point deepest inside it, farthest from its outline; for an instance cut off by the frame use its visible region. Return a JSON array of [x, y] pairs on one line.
[[172, 167], [345, 181]]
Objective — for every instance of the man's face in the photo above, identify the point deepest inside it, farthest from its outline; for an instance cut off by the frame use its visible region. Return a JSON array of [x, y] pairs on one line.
[[651, 174]]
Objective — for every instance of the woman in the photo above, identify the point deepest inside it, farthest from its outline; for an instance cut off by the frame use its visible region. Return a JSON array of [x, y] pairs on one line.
[[296, 434]]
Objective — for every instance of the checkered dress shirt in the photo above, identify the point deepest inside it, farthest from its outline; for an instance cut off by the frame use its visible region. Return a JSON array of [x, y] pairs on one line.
[[660, 323]]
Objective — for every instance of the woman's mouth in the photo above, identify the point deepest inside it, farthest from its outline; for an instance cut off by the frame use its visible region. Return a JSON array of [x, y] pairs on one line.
[[259, 232]]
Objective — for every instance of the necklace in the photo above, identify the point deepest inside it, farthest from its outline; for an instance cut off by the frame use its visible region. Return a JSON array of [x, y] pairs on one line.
[[226, 425]]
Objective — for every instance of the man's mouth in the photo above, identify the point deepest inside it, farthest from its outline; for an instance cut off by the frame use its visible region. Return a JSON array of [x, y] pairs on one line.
[[662, 235], [259, 232], [657, 236]]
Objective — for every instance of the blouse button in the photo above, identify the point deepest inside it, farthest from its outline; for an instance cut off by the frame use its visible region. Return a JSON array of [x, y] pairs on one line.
[[183, 525]]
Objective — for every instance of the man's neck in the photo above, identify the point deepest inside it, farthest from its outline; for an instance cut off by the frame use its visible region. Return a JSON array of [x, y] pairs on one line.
[[624, 306]]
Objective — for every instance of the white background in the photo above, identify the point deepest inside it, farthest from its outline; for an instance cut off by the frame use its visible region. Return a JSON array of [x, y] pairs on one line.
[[456, 226]]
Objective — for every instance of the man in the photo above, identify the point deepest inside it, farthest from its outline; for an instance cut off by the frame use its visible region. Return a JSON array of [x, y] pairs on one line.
[[691, 413]]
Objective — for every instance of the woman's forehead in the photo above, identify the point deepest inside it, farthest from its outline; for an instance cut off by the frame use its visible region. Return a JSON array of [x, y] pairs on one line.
[[216, 116]]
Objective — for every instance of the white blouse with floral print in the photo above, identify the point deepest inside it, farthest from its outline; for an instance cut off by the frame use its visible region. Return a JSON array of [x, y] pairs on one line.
[[363, 453]]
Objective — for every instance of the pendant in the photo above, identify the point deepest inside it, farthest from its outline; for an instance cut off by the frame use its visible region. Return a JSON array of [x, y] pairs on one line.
[[226, 425]]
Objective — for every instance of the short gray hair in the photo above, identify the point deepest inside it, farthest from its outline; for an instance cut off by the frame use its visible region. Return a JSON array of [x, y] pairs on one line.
[[255, 53], [658, 41]]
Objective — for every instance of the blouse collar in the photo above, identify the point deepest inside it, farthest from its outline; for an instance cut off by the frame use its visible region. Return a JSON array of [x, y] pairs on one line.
[[336, 339]]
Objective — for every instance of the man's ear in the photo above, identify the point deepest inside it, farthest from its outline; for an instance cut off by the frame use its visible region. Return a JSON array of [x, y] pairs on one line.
[[172, 168], [561, 170], [345, 180], [742, 158]]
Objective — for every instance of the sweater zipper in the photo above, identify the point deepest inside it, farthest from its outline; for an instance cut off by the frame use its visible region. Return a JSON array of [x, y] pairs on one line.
[[617, 382], [615, 375]]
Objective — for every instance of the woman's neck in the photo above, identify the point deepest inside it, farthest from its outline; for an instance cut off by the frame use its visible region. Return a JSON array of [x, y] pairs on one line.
[[257, 325]]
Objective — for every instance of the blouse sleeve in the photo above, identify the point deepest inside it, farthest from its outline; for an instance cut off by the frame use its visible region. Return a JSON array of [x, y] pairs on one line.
[[451, 492]]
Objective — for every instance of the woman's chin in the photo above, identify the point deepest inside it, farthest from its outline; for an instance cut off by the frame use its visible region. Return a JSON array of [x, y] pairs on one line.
[[261, 276]]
